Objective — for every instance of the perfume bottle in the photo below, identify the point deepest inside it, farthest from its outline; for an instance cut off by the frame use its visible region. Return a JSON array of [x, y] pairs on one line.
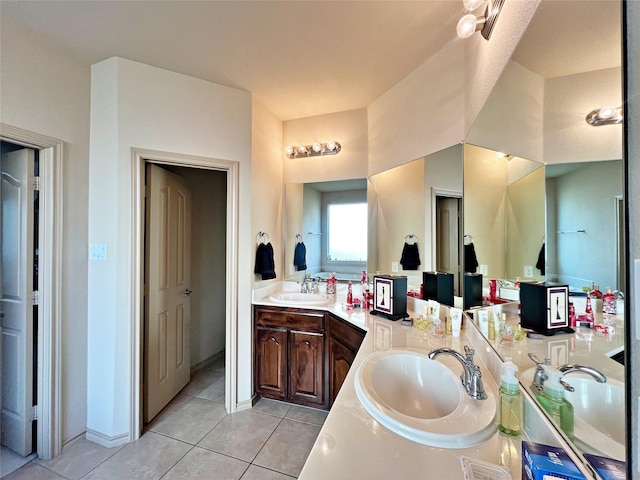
[[349, 294], [609, 303]]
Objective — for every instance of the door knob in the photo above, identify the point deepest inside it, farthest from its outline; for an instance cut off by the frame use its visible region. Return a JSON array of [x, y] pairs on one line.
[[187, 292]]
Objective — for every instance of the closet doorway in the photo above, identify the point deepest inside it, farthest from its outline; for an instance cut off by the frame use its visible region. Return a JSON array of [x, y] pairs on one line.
[[447, 241]]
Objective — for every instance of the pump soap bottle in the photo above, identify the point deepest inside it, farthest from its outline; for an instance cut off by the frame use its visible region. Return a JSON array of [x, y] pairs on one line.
[[509, 400], [553, 400]]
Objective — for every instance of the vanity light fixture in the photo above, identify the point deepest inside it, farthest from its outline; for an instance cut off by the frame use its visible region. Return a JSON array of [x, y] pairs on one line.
[[470, 23], [329, 148], [605, 116]]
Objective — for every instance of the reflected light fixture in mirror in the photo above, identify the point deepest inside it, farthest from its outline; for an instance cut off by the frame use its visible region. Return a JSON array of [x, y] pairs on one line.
[[470, 23], [316, 149], [605, 116]]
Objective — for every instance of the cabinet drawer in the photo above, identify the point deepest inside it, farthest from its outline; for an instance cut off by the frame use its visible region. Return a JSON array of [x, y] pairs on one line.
[[346, 334], [307, 320]]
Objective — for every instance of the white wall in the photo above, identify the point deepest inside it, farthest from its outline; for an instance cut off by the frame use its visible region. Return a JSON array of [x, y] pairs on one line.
[[267, 192], [135, 105], [47, 92], [348, 128]]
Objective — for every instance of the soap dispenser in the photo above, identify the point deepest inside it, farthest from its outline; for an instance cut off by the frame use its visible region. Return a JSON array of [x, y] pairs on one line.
[[509, 399], [552, 399]]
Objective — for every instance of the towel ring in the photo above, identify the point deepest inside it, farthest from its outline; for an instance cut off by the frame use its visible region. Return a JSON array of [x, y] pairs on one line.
[[260, 238], [411, 236], [468, 239], [298, 238]]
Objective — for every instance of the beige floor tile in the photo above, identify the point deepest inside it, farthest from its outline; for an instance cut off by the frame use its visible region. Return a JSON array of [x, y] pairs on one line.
[[214, 392], [150, 457], [190, 421], [241, 435], [287, 449], [78, 458], [32, 471], [205, 464], [255, 472], [202, 379], [307, 415], [272, 407], [11, 461]]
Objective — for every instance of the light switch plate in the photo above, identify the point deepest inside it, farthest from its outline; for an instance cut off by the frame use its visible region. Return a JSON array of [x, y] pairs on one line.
[[394, 267], [484, 269], [528, 271], [98, 251]]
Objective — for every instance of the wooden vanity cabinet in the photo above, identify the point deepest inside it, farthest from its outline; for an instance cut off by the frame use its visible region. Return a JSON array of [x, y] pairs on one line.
[[302, 356], [344, 342], [290, 358]]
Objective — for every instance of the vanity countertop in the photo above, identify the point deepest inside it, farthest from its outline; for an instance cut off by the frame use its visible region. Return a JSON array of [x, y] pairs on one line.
[[352, 444]]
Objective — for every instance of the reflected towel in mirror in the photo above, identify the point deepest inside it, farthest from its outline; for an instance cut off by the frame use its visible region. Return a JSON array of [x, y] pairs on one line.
[[470, 259], [300, 256], [410, 259]]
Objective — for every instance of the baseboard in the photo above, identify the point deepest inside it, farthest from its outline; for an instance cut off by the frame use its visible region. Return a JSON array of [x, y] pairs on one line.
[[247, 404], [106, 441], [207, 361]]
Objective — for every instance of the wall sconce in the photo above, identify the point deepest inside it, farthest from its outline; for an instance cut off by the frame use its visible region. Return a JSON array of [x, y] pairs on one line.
[[314, 150], [470, 23], [605, 116]]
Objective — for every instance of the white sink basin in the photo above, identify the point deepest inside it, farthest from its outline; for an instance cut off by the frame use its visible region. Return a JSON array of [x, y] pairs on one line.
[[300, 298], [598, 408], [423, 400]]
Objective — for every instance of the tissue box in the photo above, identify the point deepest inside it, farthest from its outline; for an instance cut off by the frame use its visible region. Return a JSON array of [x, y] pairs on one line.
[[544, 462], [607, 468]]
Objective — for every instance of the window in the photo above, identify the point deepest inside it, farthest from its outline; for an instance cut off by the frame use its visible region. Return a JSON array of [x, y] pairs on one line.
[[347, 232]]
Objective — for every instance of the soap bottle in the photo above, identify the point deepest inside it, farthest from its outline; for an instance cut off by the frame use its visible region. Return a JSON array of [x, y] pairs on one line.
[[509, 399], [552, 399], [609, 302]]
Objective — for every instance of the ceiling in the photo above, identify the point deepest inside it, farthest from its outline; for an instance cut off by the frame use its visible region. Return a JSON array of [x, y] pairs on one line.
[[299, 58]]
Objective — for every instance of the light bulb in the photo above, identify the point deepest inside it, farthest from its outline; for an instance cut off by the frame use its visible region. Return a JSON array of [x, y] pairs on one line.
[[316, 147], [288, 150], [467, 25], [302, 149], [331, 145], [607, 112], [471, 5]]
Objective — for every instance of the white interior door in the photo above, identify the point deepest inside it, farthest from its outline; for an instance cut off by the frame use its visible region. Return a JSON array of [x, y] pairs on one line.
[[168, 277], [16, 299], [448, 238]]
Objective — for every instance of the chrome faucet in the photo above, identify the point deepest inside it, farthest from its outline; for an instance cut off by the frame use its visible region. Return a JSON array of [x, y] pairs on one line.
[[539, 375], [574, 367], [309, 285], [471, 376]]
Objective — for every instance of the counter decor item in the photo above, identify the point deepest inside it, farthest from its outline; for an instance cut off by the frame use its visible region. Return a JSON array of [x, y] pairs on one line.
[[545, 308], [390, 296]]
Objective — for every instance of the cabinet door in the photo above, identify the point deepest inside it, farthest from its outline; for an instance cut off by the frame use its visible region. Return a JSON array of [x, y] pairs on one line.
[[340, 361], [271, 363], [306, 368]]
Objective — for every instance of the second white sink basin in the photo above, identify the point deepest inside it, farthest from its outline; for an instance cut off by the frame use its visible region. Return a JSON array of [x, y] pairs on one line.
[[599, 409], [423, 400], [297, 298]]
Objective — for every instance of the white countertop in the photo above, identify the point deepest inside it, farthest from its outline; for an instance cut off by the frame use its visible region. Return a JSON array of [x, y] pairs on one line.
[[353, 445]]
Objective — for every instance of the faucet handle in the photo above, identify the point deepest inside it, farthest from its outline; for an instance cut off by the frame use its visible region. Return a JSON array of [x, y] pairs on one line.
[[469, 353], [476, 388]]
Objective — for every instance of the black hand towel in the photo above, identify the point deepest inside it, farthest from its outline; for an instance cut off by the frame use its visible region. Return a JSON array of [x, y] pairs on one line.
[[300, 256], [470, 259], [540, 262], [410, 258], [265, 264]]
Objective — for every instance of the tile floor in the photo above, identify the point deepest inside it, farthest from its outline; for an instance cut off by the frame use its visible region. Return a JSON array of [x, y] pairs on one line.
[[193, 437]]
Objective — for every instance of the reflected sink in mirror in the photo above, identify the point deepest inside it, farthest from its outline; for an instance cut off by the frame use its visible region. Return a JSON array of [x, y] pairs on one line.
[[423, 400], [599, 423], [295, 298]]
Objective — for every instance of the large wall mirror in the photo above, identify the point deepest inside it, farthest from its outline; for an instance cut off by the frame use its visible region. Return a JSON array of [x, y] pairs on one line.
[[564, 204]]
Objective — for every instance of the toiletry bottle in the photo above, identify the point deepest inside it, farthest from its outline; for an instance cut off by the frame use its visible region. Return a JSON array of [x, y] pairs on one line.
[[596, 293], [609, 302], [331, 284], [492, 329], [553, 400], [349, 294], [509, 399]]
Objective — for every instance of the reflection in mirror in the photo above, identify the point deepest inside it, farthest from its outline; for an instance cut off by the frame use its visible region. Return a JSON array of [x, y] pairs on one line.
[[326, 229], [560, 72], [404, 201], [504, 213], [584, 224]]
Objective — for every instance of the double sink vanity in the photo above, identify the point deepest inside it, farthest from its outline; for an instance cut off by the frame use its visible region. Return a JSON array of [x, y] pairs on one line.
[[394, 412]]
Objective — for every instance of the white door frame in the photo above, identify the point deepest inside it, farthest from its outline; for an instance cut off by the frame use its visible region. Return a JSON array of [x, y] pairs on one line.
[[139, 157], [49, 433], [438, 192]]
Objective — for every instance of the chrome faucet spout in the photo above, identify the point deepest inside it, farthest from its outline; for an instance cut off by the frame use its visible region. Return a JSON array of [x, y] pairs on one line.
[[574, 367], [471, 376]]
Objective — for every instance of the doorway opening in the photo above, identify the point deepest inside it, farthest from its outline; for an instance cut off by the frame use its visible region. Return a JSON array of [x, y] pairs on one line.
[[447, 244], [184, 326], [227, 254]]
